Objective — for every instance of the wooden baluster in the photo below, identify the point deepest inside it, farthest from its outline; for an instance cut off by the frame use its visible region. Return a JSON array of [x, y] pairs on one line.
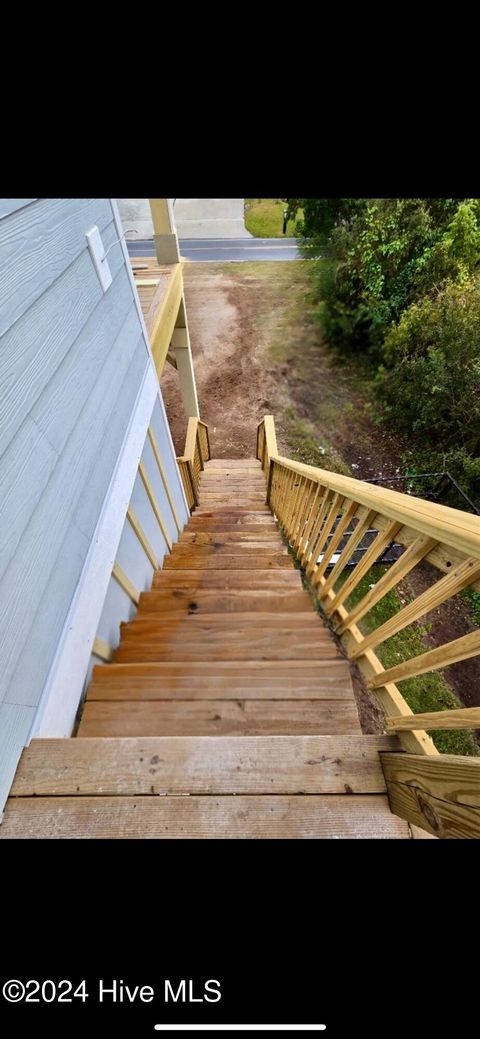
[[378, 546], [413, 555], [335, 541], [442, 590], [351, 547], [312, 534], [337, 502], [287, 503], [442, 656], [463, 718], [309, 498], [293, 520]]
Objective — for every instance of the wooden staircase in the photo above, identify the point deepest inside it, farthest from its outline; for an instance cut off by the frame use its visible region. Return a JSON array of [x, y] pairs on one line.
[[228, 695]]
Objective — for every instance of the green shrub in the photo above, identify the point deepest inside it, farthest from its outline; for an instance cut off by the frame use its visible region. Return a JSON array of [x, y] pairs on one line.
[[430, 383]]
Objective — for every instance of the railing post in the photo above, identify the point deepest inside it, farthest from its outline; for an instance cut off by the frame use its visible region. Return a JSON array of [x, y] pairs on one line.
[[269, 484], [192, 482], [264, 452], [257, 455], [208, 441], [199, 447]]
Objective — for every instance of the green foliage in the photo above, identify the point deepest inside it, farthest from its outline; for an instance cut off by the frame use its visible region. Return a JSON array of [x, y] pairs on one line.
[[316, 217], [430, 381], [386, 255], [403, 289]]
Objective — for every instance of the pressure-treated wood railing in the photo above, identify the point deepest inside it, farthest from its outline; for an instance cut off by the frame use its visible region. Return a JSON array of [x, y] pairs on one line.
[[197, 452], [326, 516]]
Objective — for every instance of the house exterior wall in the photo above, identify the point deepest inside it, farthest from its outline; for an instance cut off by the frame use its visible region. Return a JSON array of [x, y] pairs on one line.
[[74, 364]]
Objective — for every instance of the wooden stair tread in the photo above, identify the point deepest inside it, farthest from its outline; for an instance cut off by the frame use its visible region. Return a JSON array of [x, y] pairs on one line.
[[248, 679], [218, 717], [270, 645], [270, 579], [209, 602], [260, 538], [209, 764], [145, 621], [252, 549], [232, 463], [205, 558], [199, 818]]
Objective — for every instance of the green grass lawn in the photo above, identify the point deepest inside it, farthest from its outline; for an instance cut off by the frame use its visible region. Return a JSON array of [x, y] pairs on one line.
[[264, 218]]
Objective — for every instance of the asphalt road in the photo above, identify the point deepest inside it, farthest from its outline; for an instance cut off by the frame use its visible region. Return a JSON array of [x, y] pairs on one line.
[[226, 250]]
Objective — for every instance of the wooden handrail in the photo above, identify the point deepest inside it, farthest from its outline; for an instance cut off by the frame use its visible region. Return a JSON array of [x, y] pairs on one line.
[[325, 517], [191, 463]]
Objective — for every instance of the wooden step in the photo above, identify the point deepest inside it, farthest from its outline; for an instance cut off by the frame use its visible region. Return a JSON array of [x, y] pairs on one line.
[[180, 600], [201, 818], [249, 644], [264, 538], [230, 476], [253, 549], [210, 525], [211, 499], [206, 558], [227, 579], [249, 520], [229, 489], [226, 481], [218, 718], [156, 625], [308, 787], [237, 508], [233, 463], [238, 517], [203, 765], [223, 680]]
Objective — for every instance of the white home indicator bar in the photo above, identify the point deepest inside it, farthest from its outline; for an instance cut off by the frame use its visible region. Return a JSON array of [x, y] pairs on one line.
[[240, 1028]]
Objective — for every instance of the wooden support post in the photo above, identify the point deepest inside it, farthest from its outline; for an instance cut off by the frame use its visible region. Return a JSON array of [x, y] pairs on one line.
[[181, 347], [164, 234]]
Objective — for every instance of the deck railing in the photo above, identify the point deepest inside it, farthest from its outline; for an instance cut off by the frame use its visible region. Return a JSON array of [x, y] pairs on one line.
[[191, 463], [325, 516]]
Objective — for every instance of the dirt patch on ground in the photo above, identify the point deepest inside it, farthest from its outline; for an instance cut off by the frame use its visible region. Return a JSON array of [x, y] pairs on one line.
[[234, 384]]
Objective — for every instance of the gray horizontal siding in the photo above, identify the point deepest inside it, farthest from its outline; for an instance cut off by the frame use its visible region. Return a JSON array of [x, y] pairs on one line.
[[36, 576], [10, 205], [38, 243], [36, 345], [72, 361]]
